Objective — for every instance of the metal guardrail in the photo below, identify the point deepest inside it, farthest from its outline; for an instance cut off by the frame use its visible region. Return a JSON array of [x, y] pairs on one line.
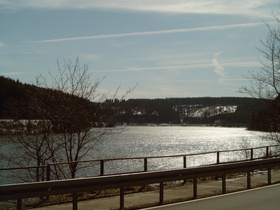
[[47, 188], [46, 169]]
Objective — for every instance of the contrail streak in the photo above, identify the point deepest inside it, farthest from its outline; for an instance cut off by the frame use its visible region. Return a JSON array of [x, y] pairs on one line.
[[186, 66], [211, 28]]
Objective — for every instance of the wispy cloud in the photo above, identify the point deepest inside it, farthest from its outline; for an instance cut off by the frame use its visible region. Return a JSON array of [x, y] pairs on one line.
[[185, 66], [219, 69], [256, 8], [12, 73], [242, 64], [148, 33], [209, 81], [191, 66]]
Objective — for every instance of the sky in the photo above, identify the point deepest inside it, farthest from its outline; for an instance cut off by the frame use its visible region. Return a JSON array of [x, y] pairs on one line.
[[167, 49]]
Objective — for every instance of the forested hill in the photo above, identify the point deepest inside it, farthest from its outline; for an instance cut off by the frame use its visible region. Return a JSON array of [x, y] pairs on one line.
[[25, 101], [15, 98], [200, 110], [17, 101]]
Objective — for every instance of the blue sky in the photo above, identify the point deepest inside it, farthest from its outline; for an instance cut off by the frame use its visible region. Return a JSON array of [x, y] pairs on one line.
[[178, 48]]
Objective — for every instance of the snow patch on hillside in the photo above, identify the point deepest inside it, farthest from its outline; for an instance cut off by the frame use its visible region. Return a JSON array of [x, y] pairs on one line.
[[205, 111]]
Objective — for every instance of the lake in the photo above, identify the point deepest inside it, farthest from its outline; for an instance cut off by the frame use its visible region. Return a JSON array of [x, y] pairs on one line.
[[142, 141], [149, 141]]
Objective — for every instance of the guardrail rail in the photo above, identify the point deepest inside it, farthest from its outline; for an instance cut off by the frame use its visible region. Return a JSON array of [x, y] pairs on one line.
[[45, 171], [74, 186]]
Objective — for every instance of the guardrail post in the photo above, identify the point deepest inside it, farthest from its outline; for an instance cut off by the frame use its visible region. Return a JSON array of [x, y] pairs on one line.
[[48, 175], [224, 189], [252, 154], [19, 204], [269, 176], [218, 157], [248, 179], [194, 188], [145, 164], [161, 193], [122, 198], [185, 166], [267, 152], [38, 173], [75, 201], [101, 167], [185, 162], [43, 173]]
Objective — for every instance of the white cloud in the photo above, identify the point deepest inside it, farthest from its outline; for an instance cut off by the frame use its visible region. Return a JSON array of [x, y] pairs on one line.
[[147, 33], [256, 8], [219, 69]]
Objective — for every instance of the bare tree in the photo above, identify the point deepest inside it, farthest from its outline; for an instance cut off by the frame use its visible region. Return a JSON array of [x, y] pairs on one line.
[[80, 110], [73, 114], [32, 143], [265, 84], [68, 113]]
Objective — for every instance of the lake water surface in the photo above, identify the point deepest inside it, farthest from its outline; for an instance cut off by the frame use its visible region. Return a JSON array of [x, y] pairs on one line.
[[150, 141], [173, 140], [145, 141]]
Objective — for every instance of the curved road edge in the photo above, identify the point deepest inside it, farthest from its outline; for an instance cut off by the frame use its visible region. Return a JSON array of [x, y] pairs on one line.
[[262, 198]]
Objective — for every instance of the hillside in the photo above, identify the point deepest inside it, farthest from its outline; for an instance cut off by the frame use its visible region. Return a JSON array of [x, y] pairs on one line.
[[17, 101], [64, 111], [202, 110]]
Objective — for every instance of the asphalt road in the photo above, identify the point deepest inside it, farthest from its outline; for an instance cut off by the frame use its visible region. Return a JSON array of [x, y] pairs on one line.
[[264, 198]]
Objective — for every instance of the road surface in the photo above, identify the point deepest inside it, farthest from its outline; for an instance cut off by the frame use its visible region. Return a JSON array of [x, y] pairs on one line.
[[264, 198]]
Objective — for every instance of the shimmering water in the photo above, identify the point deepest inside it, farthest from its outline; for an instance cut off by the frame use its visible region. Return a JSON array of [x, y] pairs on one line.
[[173, 140], [176, 140], [149, 141]]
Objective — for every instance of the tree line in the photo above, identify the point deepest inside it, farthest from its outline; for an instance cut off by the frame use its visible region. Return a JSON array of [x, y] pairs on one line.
[[143, 111], [20, 101], [26, 101]]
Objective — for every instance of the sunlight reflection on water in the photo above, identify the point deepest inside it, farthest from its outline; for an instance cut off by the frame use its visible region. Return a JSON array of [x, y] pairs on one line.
[[145, 141], [172, 140]]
